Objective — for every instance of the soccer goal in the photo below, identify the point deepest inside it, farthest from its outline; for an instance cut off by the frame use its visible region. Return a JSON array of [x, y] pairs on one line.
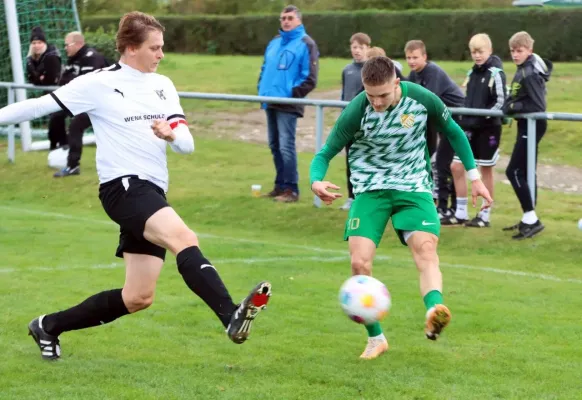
[[56, 18]]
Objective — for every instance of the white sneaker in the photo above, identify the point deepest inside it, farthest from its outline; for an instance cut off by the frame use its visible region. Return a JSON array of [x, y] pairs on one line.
[[348, 204]]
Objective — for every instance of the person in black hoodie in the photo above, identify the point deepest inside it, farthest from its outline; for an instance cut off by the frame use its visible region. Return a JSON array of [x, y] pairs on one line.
[[527, 95], [434, 78], [43, 63], [352, 86], [81, 60], [486, 89]]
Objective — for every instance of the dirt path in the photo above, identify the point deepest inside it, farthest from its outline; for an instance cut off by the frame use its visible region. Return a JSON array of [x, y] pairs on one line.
[[251, 127]]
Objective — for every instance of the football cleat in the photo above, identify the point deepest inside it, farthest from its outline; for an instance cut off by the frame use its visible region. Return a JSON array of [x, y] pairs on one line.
[[374, 348], [239, 328], [437, 318], [50, 348]]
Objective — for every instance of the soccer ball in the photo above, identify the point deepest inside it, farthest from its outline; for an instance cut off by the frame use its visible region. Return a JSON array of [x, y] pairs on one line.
[[58, 158], [364, 299]]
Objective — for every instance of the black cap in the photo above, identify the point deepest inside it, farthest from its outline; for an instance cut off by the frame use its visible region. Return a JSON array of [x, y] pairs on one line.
[[37, 34]]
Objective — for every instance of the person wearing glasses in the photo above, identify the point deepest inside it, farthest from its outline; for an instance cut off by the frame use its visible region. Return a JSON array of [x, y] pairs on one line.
[[290, 68], [81, 60]]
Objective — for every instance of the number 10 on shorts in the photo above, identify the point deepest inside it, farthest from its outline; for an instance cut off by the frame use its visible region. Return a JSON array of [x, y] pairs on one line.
[[354, 223]]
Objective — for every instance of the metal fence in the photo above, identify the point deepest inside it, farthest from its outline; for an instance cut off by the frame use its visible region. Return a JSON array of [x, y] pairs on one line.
[[319, 127]]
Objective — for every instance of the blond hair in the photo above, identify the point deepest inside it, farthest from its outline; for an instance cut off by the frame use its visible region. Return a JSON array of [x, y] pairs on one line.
[[480, 41], [521, 39], [375, 52], [412, 45]]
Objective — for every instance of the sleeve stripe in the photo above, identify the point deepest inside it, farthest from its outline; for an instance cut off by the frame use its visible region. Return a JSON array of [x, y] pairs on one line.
[[500, 92], [176, 116], [60, 103], [174, 124]]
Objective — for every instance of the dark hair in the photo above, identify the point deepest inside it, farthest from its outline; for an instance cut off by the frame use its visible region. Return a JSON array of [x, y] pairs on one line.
[[134, 28], [361, 38], [378, 71], [292, 8]]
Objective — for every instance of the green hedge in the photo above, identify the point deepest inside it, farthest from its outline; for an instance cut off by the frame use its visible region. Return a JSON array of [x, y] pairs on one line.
[[557, 32]]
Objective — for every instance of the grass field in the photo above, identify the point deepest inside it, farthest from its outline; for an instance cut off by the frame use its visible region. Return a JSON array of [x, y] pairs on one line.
[[516, 305]]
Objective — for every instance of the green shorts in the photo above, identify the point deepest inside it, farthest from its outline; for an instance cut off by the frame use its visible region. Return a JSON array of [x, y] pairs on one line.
[[410, 211]]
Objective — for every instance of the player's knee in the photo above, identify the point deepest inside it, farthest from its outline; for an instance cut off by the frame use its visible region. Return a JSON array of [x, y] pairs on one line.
[[512, 173], [426, 248], [181, 239], [361, 265], [135, 302]]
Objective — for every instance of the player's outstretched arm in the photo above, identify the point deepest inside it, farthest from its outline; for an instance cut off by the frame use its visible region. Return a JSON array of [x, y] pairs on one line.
[[28, 110]]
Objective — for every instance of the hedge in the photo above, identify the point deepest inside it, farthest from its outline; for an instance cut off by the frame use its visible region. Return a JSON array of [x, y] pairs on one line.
[[556, 32]]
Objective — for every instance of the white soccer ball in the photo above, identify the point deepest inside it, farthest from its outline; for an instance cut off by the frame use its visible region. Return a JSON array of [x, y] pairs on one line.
[[580, 224], [58, 158], [364, 299]]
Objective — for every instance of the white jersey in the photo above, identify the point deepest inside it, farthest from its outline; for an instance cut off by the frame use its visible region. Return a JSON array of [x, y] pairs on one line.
[[122, 104]]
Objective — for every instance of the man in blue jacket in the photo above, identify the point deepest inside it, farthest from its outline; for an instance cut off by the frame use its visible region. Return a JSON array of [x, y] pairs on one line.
[[289, 69]]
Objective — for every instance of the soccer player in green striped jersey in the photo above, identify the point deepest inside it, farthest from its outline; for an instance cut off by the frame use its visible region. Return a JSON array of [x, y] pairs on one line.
[[391, 175]]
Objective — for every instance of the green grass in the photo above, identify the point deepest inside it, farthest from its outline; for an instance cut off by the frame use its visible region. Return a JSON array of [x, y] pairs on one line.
[[512, 336], [239, 75]]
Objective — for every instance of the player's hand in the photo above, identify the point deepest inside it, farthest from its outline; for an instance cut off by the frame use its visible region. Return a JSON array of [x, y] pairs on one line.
[[320, 190], [478, 189], [162, 130]]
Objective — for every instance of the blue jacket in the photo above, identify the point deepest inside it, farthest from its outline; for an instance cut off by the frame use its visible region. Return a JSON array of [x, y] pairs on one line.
[[289, 69]]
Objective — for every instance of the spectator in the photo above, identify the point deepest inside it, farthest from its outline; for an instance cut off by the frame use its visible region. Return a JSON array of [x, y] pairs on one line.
[[290, 68], [43, 63], [527, 95], [81, 60], [351, 86], [485, 85], [379, 52], [435, 79]]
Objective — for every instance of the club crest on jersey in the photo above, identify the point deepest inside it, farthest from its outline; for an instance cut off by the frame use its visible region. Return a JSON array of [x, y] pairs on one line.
[[407, 120], [160, 94]]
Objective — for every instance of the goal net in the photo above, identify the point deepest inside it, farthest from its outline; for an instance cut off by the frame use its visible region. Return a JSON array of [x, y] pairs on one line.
[[56, 18]]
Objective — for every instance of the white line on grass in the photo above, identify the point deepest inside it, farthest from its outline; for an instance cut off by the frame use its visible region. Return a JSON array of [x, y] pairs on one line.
[[217, 262], [251, 260]]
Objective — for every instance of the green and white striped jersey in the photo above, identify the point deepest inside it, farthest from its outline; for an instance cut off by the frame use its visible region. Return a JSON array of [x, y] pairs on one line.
[[389, 149]]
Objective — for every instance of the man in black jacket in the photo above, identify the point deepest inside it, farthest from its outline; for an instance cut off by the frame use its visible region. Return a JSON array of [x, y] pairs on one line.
[[434, 78], [485, 85], [527, 95], [43, 63], [81, 60]]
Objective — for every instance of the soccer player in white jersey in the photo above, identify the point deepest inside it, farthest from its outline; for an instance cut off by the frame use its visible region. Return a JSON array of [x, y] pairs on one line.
[[391, 175], [135, 113]]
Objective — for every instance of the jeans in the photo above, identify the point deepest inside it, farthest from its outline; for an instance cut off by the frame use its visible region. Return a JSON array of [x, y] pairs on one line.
[[281, 127]]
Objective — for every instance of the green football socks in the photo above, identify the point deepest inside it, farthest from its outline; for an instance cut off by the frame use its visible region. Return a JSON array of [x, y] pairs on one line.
[[433, 298]]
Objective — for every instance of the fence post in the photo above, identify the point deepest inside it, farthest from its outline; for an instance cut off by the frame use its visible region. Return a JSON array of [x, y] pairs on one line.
[[11, 133], [531, 158], [318, 141]]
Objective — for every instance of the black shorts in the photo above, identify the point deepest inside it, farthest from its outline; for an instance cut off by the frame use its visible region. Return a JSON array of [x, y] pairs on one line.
[[485, 145], [130, 201]]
